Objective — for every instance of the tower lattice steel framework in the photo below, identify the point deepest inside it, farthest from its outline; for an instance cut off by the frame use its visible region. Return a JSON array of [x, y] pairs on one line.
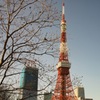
[[63, 89]]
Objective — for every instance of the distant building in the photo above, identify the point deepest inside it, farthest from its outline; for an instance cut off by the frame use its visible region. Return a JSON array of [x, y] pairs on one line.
[[80, 93], [29, 83]]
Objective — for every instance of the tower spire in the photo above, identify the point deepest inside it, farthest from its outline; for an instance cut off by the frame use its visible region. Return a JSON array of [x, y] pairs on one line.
[[63, 11], [63, 39], [63, 89]]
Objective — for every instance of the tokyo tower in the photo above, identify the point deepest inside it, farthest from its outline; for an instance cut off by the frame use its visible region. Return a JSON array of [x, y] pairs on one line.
[[63, 89]]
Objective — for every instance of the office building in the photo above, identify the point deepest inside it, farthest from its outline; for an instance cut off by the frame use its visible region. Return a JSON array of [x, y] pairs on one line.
[[29, 83]]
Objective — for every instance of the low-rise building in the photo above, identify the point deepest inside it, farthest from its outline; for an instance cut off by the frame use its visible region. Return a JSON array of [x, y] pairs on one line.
[[80, 93]]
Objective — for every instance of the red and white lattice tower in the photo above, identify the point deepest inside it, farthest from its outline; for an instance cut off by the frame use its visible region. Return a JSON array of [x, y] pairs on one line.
[[63, 89]]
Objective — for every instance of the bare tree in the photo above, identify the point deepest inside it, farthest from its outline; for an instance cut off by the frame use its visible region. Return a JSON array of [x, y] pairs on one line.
[[77, 81], [26, 36]]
